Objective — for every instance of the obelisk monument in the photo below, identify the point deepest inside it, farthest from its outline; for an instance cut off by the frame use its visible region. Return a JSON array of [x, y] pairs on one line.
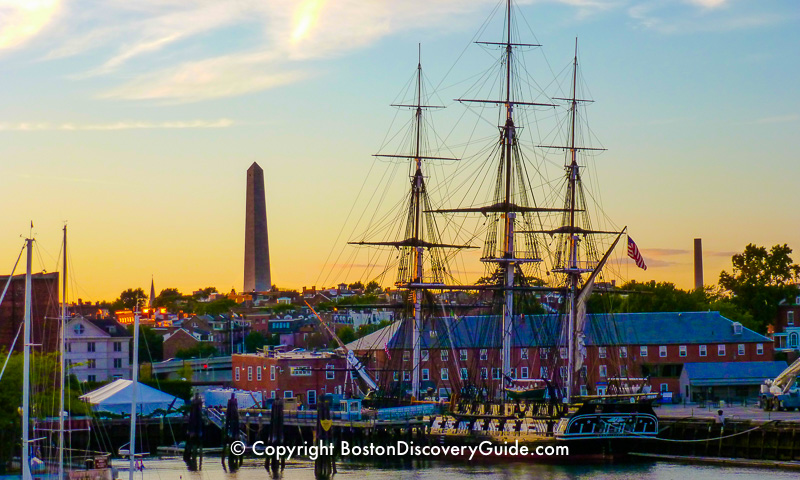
[[256, 243]]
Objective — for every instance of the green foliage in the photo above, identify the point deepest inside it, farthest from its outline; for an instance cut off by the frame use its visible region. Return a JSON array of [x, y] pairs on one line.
[[151, 344], [169, 298], [256, 340], [650, 297], [45, 395], [365, 330], [346, 334], [200, 350], [185, 372], [129, 299], [356, 286], [205, 292], [217, 307], [760, 279], [372, 288]]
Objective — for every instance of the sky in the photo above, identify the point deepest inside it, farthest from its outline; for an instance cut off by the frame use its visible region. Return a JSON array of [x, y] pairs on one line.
[[135, 122]]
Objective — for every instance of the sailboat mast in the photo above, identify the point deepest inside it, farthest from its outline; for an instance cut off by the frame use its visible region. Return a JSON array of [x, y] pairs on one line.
[[416, 192], [26, 367], [134, 392], [62, 351], [508, 221], [573, 276]]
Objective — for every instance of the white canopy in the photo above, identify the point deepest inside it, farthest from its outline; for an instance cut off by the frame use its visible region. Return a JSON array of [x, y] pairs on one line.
[[116, 398]]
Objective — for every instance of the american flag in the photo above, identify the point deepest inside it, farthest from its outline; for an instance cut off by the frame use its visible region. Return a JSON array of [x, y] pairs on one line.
[[386, 349], [633, 252]]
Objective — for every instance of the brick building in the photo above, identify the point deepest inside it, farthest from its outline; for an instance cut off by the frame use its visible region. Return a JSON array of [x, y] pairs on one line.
[[178, 340], [44, 311], [785, 330], [304, 375], [620, 348]]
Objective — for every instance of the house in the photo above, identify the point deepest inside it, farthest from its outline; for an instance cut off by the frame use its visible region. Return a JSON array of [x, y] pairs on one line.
[[731, 381], [620, 348], [97, 350], [180, 339], [785, 329], [303, 375]]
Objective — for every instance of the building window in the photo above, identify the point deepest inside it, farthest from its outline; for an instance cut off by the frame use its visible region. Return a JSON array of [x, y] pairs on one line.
[[662, 351], [445, 375], [249, 374], [523, 354], [311, 395], [302, 371], [68, 347], [563, 372], [794, 340], [664, 388], [117, 346], [562, 352], [643, 350], [90, 347], [602, 351], [406, 376], [484, 373], [740, 349], [329, 373], [463, 355], [91, 378], [425, 375], [603, 371], [721, 350], [258, 373], [495, 374], [117, 363], [396, 376], [623, 371], [542, 372], [92, 363], [271, 373], [484, 354], [464, 374], [524, 372], [288, 394], [444, 355], [79, 329], [406, 355], [623, 352], [759, 349], [790, 319], [425, 355], [272, 394], [682, 351], [543, 352], [703, 351], [236, 374]]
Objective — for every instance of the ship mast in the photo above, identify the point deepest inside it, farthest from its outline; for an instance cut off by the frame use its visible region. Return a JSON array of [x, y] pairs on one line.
[[411, 271], [62, 351], [573, 273], [26, 374]]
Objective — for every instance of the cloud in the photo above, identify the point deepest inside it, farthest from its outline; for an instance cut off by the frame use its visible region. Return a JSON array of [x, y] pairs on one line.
[[690, 16], [21, 21], [44, 126]]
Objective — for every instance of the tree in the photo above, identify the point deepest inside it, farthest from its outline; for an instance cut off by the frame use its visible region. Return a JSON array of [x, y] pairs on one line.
[[356, 286], [255, 340], [650, 297], [372, 288], [346, 334], [200, 350], [205, 292], [168, 298], [129, 299], [760, 279], [217, 307], [151, 344]]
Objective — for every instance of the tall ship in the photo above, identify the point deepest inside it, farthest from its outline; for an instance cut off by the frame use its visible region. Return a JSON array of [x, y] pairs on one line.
[[506, 356]]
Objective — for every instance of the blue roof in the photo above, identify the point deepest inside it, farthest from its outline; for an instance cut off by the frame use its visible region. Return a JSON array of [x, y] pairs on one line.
[[656, 328], [731, 373]]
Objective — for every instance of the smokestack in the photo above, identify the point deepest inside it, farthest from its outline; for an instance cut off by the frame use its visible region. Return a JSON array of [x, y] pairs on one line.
[[698, 263]]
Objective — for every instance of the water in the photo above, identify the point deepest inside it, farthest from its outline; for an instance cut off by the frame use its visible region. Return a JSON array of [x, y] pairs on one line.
[[175, 469]]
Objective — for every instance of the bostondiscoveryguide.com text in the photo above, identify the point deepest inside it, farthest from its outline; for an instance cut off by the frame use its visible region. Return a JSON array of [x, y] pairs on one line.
[[399, 449]]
